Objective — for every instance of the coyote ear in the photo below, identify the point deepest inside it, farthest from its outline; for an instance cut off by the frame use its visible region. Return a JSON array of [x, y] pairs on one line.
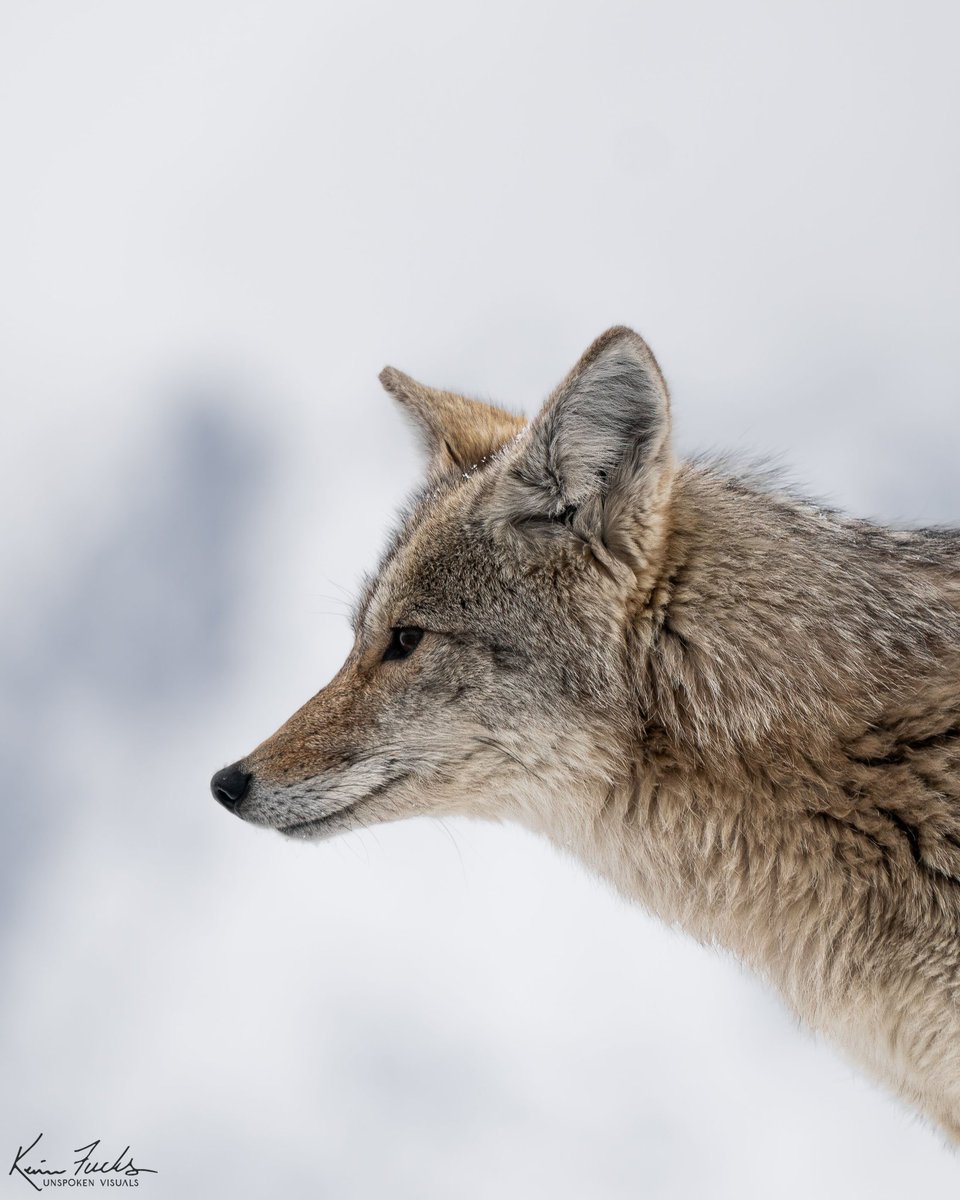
[[458, 433], [597, 458]]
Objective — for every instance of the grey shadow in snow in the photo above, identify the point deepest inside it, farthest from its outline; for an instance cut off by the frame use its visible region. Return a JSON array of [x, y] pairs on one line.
[[141, 623]]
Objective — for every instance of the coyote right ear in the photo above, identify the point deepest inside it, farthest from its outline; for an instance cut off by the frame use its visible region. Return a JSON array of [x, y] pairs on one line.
[[458, 433], [597, 459]]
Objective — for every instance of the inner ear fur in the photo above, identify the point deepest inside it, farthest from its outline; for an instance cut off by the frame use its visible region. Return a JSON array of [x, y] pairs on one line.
[[597, 458], [458, 433]]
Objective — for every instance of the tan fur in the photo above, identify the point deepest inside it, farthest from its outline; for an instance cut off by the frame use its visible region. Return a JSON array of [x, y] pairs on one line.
[[742, 709], [457, 432]]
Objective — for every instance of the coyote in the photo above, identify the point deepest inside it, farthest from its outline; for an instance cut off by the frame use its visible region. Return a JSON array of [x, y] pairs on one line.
[[740, 708]]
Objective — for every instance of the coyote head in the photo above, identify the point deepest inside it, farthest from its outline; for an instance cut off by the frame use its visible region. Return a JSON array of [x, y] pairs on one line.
[[490, 673]]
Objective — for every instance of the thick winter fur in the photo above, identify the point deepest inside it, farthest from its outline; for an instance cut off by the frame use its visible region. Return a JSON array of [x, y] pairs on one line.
[[742, 709]]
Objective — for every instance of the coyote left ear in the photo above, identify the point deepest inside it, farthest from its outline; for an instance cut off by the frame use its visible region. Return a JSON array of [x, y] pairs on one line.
[[458, 433], [597, 459]]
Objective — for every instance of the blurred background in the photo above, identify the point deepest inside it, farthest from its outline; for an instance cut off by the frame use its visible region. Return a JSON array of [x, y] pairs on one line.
[[217, 222]]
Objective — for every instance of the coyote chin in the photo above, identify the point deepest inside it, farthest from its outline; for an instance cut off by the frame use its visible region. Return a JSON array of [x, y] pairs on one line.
[[740, 708]]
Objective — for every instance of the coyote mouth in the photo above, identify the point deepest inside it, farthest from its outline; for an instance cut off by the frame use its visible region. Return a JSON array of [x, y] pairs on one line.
[[301, 827]]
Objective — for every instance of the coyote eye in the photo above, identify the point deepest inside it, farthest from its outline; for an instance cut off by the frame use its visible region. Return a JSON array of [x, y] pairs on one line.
[[403, 642]]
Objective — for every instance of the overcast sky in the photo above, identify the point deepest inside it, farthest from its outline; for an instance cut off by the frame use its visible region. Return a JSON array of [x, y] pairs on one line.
[[218, 221]]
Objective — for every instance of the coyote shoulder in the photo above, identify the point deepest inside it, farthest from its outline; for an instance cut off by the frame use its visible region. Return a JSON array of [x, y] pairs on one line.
[[742, 709]]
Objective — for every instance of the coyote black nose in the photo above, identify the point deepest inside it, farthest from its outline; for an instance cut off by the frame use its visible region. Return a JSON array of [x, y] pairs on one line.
[[229, 786]]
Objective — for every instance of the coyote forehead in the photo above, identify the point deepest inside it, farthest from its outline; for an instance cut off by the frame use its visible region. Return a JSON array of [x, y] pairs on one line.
[[740, 708]]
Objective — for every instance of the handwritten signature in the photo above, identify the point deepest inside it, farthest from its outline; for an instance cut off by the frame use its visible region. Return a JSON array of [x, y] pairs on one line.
[[86, 1165]]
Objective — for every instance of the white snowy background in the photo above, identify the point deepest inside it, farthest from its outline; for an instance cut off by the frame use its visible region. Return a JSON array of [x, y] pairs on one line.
[[218, 220]]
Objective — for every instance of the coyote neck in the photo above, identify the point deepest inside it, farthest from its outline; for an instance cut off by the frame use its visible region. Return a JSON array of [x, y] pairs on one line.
[[794, 794], [833, 903]]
